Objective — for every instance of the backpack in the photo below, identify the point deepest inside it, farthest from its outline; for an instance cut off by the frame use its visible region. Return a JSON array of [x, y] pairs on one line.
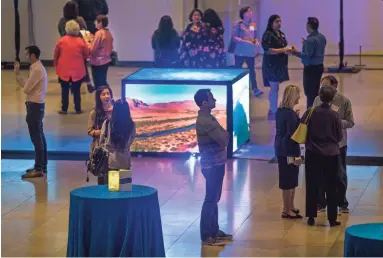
[[98, 164]]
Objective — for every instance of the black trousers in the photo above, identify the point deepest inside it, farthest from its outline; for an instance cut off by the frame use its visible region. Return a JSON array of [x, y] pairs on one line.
[[250, 62], [34, 119], [75, 88], [100, 75], [321, 171], [102, 180], [312, 75], [341, 183]]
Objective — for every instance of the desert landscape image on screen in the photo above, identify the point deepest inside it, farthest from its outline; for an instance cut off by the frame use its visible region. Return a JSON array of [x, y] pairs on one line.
[[165, 116]]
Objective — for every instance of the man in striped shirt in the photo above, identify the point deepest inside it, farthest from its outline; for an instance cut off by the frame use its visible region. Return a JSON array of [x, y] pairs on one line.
[[342, 105], [212, 142]]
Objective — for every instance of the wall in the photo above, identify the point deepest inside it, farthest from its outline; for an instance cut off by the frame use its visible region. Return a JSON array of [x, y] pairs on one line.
[[8, 51], [362, 22], [133, 22]]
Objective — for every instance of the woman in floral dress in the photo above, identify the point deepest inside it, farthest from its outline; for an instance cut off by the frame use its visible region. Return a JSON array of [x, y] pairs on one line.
[[192, 45], [213, 46]]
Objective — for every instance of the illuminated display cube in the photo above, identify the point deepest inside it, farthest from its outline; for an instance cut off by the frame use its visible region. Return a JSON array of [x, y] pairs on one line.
[[162, 106]]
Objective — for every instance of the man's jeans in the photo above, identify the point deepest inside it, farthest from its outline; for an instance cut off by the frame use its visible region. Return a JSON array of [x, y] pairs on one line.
[[35, 115], [209, 215]]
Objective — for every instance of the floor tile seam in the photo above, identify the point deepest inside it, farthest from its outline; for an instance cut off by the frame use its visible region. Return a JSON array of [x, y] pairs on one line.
[[170, 197], [17, 206], [191, 224], [251, 213], [45, 221], [364, 190]]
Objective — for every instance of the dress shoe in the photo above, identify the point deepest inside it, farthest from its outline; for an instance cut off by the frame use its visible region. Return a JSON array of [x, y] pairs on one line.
[[32, 174], [334, 223], [45, 170], [311, 221]]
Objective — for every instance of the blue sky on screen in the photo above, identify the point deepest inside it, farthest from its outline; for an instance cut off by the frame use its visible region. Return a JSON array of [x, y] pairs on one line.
[[172, 74], [154, 93]]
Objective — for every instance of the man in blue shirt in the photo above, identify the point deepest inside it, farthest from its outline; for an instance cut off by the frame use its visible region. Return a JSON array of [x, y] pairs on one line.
[[312, 57]]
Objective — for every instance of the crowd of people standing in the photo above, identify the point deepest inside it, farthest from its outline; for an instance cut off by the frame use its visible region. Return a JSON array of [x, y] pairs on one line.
[[201, 45]]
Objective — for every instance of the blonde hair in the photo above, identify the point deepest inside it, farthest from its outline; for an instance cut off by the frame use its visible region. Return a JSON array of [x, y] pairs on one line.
[[290, 96], [72, 28]]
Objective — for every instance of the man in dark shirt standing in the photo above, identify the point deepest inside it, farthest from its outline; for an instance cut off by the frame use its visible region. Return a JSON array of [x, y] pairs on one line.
[[312, 57], [322, 156], [212, 142]]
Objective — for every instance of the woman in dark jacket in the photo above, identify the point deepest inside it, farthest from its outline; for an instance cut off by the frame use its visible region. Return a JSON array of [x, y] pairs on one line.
[[324, 132], [287, 151], [213, 44], [275, 60], [166, 42]]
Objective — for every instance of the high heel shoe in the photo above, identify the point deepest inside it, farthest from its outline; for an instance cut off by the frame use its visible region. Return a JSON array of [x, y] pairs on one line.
[[288, 216]]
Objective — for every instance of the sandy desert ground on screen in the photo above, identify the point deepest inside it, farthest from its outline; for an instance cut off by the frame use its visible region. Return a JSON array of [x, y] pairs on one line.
[[168, 127]]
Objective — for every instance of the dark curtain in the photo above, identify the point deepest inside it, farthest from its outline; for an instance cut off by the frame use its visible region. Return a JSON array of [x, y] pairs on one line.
[[341, 41], [17, 29]]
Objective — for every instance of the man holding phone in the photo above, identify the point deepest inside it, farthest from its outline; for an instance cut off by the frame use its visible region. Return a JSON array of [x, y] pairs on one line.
[[312, 57], [35, 88]]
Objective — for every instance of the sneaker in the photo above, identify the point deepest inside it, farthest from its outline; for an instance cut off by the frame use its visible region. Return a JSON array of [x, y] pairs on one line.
[[223, 236], [344, 209], [321, 209], [257, 92], [32, 174], [213, 242]]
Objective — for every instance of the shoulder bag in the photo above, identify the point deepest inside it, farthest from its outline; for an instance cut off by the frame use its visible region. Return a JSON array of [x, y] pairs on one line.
[[300, 134]]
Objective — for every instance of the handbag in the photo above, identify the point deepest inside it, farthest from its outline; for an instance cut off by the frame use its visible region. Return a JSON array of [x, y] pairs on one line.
[[300, 134], [114, 57], [98, 164]]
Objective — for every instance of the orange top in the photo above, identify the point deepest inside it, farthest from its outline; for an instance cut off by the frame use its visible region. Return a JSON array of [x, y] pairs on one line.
[[69, 56]]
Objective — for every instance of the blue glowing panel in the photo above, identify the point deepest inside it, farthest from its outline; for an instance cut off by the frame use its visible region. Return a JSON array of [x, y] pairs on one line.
[[165, 115], [241, 112], [173, 74]]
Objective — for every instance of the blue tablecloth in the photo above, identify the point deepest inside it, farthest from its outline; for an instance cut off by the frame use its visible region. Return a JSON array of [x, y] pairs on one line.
[[364, 240], [103, 223]]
